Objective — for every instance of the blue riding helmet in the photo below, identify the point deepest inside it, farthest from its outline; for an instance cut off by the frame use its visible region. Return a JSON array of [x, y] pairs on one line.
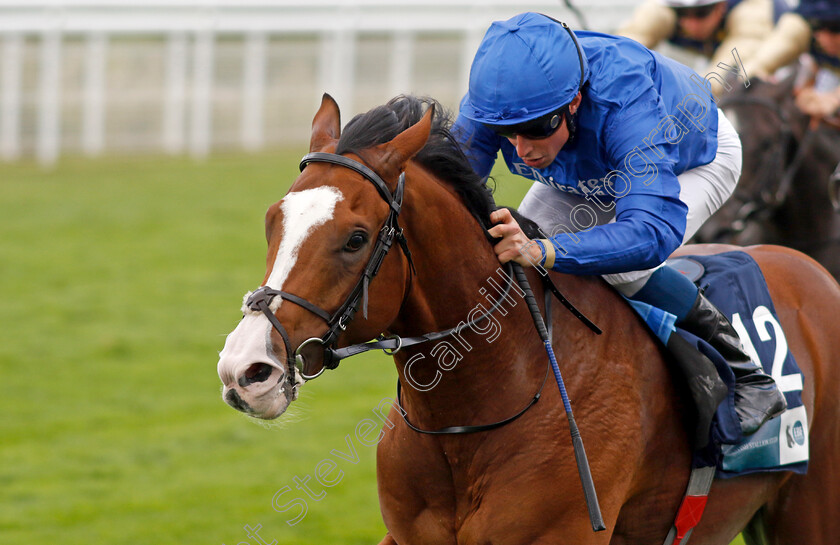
[[819, 10], [525, 67]]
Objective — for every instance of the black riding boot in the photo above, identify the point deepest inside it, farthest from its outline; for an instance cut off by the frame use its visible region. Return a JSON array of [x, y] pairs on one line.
[[757, 398], [704, 384]]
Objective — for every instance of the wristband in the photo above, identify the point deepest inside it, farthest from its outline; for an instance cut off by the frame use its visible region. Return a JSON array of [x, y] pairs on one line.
[[549, 254]]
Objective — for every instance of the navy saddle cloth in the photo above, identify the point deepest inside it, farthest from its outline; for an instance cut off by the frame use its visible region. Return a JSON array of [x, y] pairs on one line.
[[734, 282]]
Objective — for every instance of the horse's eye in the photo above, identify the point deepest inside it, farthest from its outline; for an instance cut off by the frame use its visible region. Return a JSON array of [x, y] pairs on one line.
[[356, 241]]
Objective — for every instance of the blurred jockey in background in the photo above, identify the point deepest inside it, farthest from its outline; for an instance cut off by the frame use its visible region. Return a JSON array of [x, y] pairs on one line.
[[812, 28], [709, 28]]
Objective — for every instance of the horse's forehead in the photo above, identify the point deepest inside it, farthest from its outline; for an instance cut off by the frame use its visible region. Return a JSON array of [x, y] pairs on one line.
[[299, 203], [302, 212]]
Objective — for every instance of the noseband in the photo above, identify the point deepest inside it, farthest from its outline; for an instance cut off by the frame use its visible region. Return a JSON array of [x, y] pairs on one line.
[[260, 300]]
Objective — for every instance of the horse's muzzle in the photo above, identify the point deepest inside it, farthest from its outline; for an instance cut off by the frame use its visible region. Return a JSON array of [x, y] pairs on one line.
[[260, 390]]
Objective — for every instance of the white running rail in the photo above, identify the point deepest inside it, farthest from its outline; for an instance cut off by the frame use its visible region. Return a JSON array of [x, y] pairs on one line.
[[193, 76]]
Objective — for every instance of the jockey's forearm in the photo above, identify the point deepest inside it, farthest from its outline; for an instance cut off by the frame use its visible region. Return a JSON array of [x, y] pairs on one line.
[[747, 26], [642, 242], [790, 38], [651, 24]]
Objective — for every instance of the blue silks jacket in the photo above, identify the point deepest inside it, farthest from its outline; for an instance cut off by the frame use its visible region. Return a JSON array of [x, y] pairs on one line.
[[644, 120]]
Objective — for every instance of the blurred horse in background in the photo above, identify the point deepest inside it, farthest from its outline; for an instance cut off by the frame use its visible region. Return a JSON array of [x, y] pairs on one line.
[[783, 196]]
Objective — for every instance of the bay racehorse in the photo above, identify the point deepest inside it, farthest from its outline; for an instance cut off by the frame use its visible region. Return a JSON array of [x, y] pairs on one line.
[[518, 483], [783, 196]]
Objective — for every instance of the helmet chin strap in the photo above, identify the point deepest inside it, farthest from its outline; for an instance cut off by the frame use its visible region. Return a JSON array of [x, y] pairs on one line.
[[571, 118]]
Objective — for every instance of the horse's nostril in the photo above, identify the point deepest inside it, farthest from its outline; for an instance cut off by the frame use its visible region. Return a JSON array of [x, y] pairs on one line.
[[257, 372], [233, 399]]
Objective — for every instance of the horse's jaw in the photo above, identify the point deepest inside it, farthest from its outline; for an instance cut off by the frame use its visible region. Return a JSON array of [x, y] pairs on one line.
[[254, 381]]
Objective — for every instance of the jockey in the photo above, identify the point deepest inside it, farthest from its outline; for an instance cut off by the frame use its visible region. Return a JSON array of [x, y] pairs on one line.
[[813, 28], [631, 156], [710, 28]]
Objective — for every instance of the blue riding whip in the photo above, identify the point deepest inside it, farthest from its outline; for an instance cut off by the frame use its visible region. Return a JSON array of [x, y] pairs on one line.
[[586, 481]]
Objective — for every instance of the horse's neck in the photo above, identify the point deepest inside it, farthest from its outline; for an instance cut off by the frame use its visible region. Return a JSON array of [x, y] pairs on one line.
[[501, 359], [452, 256], [457, 279]]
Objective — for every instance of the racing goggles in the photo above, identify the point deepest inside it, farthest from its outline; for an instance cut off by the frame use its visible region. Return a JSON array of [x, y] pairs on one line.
[[818, 25], [534, 129], [699, 12]]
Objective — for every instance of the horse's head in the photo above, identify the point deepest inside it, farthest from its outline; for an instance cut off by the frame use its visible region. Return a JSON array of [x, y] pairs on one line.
[[327, 238], [770, 127]]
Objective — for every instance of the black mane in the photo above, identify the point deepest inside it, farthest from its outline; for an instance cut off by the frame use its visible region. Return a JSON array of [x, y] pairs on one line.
[[441, 155]]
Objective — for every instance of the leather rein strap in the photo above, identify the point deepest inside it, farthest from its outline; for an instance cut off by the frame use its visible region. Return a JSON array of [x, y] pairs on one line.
[[543, 327]]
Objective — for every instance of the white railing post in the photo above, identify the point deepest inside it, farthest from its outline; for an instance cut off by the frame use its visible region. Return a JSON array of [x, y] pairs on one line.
[[201, 119], [338, 56], [93, 117], [175, 95], [10, 93], [49, 96], [401, 63], [337, 65], [472, 39], [253, 91]]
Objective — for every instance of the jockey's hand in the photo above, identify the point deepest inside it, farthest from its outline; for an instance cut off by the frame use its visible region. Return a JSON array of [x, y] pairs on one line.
[[515, 245], [817, 104]]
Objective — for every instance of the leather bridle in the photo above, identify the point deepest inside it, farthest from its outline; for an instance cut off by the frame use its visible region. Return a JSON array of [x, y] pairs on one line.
[[337, 321]]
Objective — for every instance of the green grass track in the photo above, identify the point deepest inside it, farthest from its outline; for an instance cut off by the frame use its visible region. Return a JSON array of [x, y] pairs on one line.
[[119, 279]]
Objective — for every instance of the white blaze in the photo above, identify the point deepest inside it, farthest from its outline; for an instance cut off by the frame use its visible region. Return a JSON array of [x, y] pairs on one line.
[[303, 211], [250, 342]]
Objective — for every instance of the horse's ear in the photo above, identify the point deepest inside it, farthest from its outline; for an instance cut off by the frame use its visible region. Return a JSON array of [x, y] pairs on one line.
[[326, 126], [398, 151]]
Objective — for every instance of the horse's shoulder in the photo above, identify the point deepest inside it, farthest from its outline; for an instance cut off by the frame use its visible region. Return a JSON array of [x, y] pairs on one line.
[[596, 299]]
